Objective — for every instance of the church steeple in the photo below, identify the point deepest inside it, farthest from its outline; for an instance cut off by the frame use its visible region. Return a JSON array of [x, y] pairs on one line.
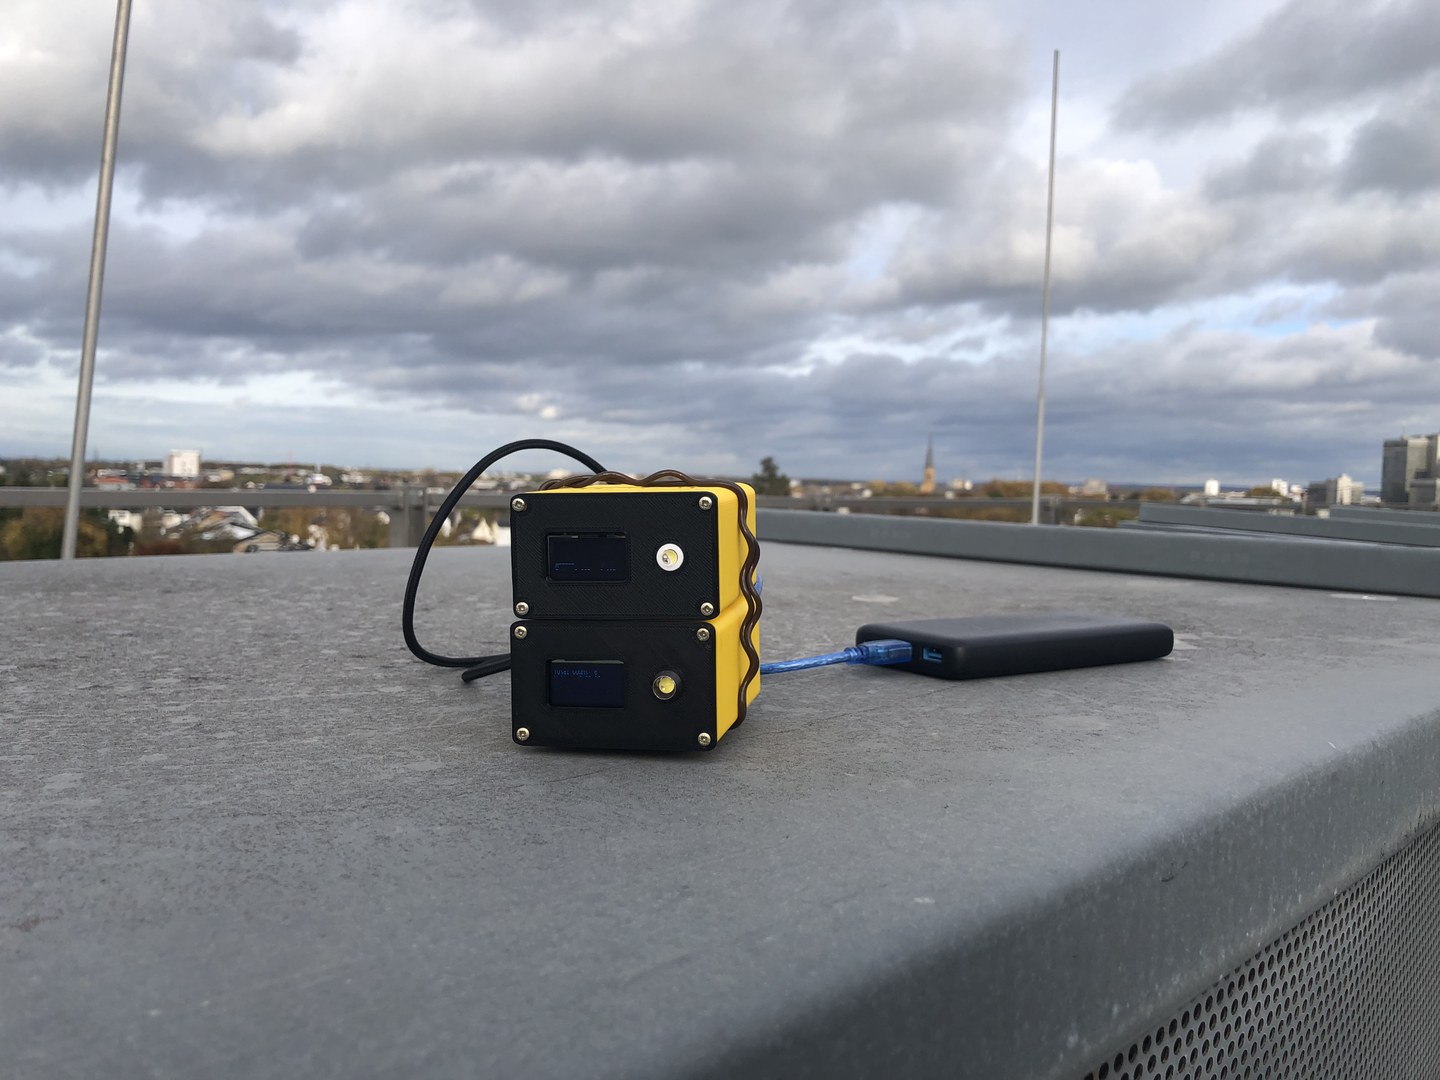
[[927, 485]]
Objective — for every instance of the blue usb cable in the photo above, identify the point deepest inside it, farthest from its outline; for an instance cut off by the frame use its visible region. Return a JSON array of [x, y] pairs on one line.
[[884, 651]]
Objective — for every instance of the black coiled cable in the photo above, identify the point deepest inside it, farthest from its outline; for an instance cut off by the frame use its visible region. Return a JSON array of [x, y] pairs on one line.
[[477, 666]]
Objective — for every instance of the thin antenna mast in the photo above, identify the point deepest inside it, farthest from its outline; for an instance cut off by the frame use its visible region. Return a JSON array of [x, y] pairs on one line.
[[97, 279], [1045, 302]]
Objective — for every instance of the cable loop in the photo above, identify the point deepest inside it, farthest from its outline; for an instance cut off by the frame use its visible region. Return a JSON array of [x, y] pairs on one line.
[[483, 665]]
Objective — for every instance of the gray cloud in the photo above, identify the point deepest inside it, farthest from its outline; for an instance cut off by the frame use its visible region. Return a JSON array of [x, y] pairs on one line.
[[1311, 54], [1123, 242], [1283, 163], [1398, 151], [1403, 308], [697, 234], [239, 111], [1221, 403], [1357, 242], [186, 62]]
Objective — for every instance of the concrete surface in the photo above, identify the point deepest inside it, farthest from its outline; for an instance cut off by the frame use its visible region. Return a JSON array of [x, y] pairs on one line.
[[244, 833]]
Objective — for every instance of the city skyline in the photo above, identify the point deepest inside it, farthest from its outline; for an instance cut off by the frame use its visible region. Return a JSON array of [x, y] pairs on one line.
[[693, 235], [212, 468]]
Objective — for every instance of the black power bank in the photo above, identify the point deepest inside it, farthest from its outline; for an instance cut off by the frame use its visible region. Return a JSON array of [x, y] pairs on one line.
[[988, 645]]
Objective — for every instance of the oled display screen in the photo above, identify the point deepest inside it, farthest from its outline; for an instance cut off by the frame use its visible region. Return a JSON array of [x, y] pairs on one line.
[[587, 684], [594, 557]]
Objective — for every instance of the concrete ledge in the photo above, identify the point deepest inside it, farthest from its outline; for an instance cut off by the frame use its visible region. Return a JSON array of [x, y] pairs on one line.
[[1373, 531], [1342, 565], [246, 834], [1427, 518]]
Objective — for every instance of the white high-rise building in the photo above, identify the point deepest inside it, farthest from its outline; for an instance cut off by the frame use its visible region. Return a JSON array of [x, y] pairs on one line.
[[185, 463], [1337, 491], [1212, 486]]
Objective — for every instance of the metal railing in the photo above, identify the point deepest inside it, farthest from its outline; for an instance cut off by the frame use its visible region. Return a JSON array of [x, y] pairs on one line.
[[1388, 555], [410, 506]]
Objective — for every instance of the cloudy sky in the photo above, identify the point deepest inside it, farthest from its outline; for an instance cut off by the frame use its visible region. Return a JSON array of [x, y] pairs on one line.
[[690, 233]]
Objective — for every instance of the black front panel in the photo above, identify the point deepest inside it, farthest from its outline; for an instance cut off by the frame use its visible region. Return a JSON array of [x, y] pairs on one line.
[[578, 555], [567, 677]]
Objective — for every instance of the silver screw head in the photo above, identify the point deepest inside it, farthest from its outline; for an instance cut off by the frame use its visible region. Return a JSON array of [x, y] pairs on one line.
[[520, 632], [518, 505], [706, 502], [522, 608], [707, 609], [522, 733], [703, 634], [704, 739]]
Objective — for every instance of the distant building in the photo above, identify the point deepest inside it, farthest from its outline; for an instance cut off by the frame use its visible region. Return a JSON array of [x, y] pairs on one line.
[[183, 463], [1425, 493], [1403, 461], [1094, 487], [1337, 491], [128, 519], [927, 485], [220, 523], [1212, 486]]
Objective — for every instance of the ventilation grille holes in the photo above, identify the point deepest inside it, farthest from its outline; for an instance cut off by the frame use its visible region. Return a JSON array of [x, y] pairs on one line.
[[1352, 990]]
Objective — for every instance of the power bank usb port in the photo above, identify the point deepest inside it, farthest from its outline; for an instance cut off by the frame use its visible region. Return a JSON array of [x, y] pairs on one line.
[[932, 655]]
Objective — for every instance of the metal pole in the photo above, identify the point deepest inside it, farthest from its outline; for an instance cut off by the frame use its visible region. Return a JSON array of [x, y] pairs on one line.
[[1045, 302], [97, 277]]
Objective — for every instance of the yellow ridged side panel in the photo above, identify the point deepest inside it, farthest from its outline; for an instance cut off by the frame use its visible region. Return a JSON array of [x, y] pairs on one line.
[[733, 549], [731, 663]]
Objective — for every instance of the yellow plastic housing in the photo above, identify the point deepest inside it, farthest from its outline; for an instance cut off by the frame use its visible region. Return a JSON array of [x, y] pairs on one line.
[[731, 661]]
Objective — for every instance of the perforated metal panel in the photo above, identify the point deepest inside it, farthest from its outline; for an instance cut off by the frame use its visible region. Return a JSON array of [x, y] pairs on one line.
[[1351, 991]]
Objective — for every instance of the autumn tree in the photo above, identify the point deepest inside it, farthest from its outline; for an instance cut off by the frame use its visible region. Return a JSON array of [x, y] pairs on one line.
[[770, 480], [895, 489], [290, 520], [354, 527], [38, 531], [1020, 489], [1105, 517]]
